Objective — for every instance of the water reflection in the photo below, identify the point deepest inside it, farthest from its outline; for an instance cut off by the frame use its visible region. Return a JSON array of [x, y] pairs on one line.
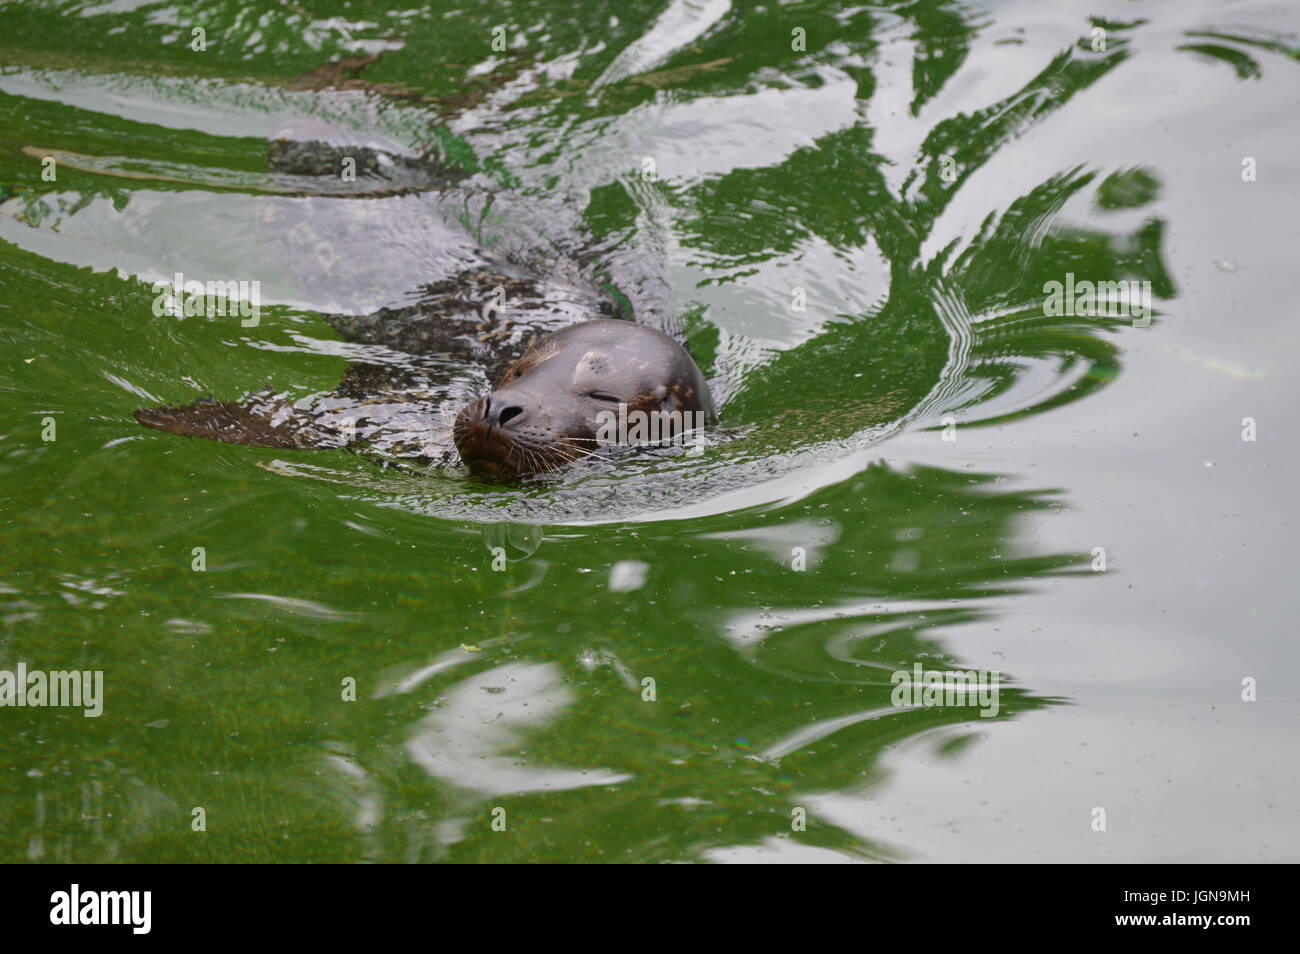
[[713, 706]]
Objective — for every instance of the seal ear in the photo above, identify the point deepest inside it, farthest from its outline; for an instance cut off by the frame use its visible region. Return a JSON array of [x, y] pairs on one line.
[[266, 422]]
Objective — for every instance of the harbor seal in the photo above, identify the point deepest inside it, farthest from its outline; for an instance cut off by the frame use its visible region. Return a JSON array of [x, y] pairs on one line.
[[566, 349], [594, 384]]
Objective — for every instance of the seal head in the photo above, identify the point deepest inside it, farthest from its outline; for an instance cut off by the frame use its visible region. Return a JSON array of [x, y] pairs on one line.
[[591, 384]]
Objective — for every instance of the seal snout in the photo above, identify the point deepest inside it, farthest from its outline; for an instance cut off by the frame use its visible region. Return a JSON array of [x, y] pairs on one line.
[[500, 409], [485, 432]]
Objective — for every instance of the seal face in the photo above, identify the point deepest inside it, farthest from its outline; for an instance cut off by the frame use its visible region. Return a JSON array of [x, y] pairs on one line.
[[595, 383]]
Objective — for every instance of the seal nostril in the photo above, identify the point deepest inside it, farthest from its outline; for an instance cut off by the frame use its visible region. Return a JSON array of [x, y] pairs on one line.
[[509, 413]]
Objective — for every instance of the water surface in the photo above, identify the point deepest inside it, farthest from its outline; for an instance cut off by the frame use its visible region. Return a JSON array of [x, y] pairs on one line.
[[852, 213]]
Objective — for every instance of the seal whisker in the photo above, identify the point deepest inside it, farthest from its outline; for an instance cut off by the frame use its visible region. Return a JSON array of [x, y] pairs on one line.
[[575, 452]]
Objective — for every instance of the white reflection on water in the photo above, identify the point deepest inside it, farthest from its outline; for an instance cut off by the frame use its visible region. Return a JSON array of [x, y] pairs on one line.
[[470, 741]]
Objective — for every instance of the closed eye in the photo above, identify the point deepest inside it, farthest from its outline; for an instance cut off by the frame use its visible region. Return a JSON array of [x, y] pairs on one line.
[[603, 396]]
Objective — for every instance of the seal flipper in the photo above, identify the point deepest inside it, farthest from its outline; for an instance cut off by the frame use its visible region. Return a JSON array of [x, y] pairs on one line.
[[263, 421]]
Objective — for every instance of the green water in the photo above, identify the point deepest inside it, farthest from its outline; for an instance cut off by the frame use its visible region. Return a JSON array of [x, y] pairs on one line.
[[854, 227]]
